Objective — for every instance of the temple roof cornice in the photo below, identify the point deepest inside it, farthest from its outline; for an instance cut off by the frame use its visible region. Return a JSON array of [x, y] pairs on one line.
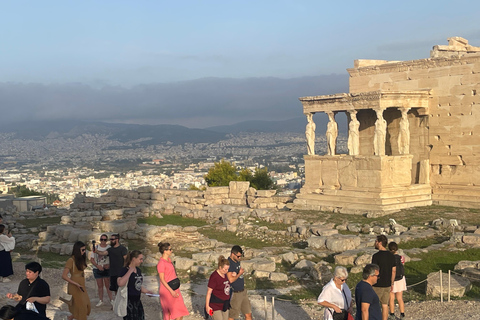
[[367, 100]]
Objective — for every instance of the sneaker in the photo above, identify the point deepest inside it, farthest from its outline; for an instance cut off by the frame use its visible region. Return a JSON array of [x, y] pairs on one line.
[[99, 303], [392, 317], [6, 280]]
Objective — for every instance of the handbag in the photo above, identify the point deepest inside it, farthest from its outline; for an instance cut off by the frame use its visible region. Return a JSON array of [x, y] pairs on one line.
[[175, 283], [344, 315], [121, 301]]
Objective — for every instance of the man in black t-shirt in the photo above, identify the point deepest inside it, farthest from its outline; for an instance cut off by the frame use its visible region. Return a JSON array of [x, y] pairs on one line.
[[33, 289], [386, 261], [117, 254]]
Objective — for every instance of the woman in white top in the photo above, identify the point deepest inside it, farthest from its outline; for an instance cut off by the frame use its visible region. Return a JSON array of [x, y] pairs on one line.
[[7, 244], [101, 268], [336, 296]]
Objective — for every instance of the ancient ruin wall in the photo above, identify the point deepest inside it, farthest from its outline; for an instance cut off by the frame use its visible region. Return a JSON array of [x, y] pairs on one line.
[[450, 135]]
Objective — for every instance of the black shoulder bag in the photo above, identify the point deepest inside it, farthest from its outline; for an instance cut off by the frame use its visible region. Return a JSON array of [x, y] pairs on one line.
[[175, 283], [341, 315]]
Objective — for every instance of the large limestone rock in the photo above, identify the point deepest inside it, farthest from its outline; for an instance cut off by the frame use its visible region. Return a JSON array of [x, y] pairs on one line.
[[458, 285], [344, 243], [183, 263], [317, 242]]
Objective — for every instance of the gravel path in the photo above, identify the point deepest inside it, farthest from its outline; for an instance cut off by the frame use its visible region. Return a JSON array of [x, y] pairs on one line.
[[194, 295]]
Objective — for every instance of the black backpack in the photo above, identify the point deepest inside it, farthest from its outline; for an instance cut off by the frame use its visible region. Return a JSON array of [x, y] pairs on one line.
[[400, 268]]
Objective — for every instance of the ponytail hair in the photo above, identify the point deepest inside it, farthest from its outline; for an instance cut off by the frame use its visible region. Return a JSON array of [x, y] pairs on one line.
[[222, 261], [162, 246], [131, 255]]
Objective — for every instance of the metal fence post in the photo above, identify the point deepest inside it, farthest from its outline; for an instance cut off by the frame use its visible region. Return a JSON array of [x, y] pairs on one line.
[[265, 307], [449, 272], [273, 308], [441, 287]]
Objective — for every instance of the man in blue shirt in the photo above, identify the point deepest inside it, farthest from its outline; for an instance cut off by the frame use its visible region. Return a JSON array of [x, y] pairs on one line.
[[368, 304], [239, 301]]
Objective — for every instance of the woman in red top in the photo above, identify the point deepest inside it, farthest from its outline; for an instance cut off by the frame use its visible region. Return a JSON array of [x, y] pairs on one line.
[[218, 294], [171, 300]]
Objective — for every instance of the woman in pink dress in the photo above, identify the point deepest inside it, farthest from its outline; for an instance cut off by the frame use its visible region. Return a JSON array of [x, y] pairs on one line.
[[171, 300]]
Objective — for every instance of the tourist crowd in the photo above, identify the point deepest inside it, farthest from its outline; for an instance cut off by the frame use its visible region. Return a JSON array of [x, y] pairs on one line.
[[118, 272]]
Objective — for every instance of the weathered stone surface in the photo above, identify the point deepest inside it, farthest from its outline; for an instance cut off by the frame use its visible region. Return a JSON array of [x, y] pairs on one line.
[[317, 242], [264, 265], [304, 264], [464, 264], [341, 244], [183, 263], [261, 274], [458, 285], [200, 270], [473, 239], [277, 276], [289, 257], [345, 258], [321, 272]]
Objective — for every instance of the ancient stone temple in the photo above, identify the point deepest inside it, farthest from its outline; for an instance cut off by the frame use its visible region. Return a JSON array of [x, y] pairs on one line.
[[413, 138]]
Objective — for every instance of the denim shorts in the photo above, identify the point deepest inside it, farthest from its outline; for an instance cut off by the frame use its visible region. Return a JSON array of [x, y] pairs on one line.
[[97, 274]]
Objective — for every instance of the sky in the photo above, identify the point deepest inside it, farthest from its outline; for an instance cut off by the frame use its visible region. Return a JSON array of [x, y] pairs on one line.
[[203, 63]]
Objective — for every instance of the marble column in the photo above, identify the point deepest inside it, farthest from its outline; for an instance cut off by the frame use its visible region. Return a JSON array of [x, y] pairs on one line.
[[380, 134], [404, 133], [332, 134], [310, 134], [353, 134]]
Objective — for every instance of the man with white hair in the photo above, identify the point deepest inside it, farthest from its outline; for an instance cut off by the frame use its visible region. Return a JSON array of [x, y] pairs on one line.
[[336, 296]]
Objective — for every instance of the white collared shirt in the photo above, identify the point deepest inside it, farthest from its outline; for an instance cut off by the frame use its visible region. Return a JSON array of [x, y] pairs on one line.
[[330, 293]]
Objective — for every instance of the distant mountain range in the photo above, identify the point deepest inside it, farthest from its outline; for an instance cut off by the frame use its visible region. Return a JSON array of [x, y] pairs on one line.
[[156, 134]]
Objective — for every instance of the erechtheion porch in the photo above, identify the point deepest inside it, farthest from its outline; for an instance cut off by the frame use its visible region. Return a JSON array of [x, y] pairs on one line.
[[379, 174]]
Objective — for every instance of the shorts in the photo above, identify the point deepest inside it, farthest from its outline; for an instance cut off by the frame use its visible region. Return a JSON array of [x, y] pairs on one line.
[[239, 303], [220, 315], [113, 283], [97, 274], [383, 294], [400, 285]]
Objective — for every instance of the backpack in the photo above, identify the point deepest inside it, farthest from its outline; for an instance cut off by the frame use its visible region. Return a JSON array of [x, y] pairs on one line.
[[400, 268]]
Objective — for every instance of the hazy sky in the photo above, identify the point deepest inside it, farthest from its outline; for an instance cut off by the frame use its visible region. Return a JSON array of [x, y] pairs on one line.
[[119, 45]]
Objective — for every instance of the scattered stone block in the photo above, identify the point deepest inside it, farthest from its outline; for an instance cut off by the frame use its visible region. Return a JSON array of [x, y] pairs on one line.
[[277, 276], [304, 264], [183, 263], [458, 285]]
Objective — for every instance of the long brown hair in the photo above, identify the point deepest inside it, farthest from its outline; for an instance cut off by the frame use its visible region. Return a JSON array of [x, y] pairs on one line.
[[79, 258], [131, 255]]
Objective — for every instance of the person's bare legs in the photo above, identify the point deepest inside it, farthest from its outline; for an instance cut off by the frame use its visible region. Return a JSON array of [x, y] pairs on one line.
[[385, 311], [100, 288], [106, 281], [401, 305], [248, 316], [392, 302]]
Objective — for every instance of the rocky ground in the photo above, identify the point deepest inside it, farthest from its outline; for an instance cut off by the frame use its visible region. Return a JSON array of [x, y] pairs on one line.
[[194, 296]]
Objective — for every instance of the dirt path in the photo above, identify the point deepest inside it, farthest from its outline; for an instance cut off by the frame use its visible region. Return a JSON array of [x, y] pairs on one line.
[[194, 296]]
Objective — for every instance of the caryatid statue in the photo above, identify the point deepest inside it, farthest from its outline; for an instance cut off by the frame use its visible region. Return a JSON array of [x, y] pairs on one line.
[[404, 133], [380, 134], [310, 134], [332, 134], [353, 134]]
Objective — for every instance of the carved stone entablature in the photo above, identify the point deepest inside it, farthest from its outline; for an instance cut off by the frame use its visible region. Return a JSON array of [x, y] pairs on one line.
[[367, 100]]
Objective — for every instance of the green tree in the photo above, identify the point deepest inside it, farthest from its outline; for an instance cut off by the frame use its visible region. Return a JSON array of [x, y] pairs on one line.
[[261, 180], [221, 174]]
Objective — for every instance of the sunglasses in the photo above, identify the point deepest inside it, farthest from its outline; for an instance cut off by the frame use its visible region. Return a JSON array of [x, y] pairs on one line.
[[112, 239], [171, 249], [82, 250], [342, 280], [239, 256], [103, 239]]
